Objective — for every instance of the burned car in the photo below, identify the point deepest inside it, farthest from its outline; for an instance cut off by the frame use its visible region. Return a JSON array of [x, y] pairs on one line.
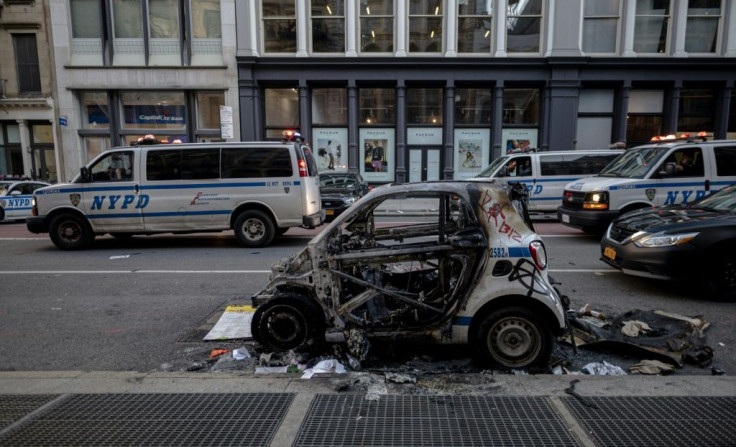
[[472, 271]]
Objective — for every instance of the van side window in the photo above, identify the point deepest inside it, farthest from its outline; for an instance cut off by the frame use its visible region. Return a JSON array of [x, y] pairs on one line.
[[587, 164], [725, 160], [552, 165], [200, 163], [687, 162], [163, 165], [256, 162]]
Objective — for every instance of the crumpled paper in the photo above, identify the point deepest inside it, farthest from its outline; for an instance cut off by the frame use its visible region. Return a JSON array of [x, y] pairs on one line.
[[603, 369], [324, 367], [635, 327], [651, 367]]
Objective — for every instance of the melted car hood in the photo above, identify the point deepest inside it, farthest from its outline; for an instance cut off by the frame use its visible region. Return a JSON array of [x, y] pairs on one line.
[[337, 193], [674, 218]]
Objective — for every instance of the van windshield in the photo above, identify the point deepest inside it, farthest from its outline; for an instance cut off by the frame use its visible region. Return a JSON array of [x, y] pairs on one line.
[[491, 168], [634, 163]]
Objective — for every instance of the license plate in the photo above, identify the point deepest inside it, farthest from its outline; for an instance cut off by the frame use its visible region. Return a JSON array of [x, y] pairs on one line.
[[329, 212], [565, 218], [610, 253]]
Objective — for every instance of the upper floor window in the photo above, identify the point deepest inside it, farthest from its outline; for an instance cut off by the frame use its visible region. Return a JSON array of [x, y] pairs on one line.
[[425, 26], [523, 26], [279, 26], [474, 20], [652, 26], [703, 20], [26, 63], [376, 26], [328, 26], [145, 32], [600, 28]]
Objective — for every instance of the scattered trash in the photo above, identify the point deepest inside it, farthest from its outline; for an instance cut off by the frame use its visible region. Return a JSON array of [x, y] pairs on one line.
[[717, 371], [702, 357], [120, 257], [234, 323], [353, 362], [587, 311], [721, 344], [400, 378], [241, 354], [634, 328], [603, 369], [557, 370], [270, 369], [652, 367], [218, 352], [325, 367]]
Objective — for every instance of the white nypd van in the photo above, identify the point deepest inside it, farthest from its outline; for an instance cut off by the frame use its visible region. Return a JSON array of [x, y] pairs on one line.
[[545, 174], [258, 189], [668, 171]]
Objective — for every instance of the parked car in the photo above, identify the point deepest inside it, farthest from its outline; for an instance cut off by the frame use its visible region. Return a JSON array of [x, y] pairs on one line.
[[339, 190], [690, 242], [472, 271], [15, 197]]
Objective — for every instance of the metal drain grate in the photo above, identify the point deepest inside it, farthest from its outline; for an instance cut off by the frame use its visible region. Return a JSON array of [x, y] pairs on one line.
[[348, 420], [156, 419], [15, 406], [652, 421]]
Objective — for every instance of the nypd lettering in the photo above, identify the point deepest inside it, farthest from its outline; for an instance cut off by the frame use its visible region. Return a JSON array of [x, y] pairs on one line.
[[122, 202], [683, 196], [15, 202]]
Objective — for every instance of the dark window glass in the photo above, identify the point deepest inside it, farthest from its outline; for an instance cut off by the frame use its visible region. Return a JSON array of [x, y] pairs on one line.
[[200, 163], [473, 106], [521, 106], [26, 60], [725, 160], [552, 165], [163, 165], [582, 164], [641, 128], [696, 111], [256, 162]]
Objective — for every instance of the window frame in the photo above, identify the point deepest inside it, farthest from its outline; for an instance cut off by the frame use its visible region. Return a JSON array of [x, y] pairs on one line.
[[600, 17], [489, 17], [27, 66]]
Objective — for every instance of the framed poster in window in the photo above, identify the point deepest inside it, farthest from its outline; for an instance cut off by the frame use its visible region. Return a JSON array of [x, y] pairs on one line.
[[377, 155], [518, 139], [330, 148], [471, 152]]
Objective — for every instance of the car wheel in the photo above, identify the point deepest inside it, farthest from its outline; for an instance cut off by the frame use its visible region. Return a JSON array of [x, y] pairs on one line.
[[288, 322], [254, 228], [719, 278], [70, 232], [513, 337]]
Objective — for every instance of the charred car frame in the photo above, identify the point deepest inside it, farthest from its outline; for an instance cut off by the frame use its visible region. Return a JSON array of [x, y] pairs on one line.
[[473, 271]]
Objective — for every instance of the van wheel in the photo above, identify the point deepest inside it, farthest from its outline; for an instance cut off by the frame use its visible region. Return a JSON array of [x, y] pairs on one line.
[[254, 228], [70, 232], [288, 322], [513, 337]]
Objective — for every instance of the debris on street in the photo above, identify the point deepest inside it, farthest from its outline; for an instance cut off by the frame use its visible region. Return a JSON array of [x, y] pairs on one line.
[[652, 367], [603, 369]]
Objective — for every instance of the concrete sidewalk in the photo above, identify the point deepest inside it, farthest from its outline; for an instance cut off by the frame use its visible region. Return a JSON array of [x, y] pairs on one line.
[[125, 408]]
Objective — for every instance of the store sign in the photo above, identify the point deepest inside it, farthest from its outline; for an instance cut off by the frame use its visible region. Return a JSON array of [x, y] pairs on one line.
[[155, 115], [424, 136]]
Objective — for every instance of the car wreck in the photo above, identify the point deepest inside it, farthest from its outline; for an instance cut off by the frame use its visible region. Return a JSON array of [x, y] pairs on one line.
[[471, 271]]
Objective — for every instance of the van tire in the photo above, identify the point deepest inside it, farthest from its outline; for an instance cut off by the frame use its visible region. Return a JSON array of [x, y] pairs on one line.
[[288, 322], [513, 337], [70, 232], [254, 228]]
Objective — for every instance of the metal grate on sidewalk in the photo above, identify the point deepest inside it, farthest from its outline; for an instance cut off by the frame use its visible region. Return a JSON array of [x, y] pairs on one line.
[[249, 419], [399, 420], [657, 421], [14, 406]]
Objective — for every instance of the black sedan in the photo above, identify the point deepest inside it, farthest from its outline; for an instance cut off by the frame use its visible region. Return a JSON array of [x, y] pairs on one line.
[[695, 242], [339, 190]]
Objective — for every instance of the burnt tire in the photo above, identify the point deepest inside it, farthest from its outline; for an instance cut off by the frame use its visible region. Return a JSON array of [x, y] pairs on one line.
[[254, 228], [719, 277], [70, 232], [513, 337], [288, 322]]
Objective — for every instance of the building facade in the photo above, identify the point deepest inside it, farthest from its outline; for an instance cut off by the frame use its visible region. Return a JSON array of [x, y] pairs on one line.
[[128, 68], [435, 89], [27, 124]]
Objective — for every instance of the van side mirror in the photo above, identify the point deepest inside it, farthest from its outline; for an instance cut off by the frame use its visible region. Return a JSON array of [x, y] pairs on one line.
[[669, 170], [85, 175]]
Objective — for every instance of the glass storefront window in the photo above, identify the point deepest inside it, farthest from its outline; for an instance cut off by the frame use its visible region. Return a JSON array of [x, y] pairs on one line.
[[11, 154], [153, 110], [473, 106], [424, 106], [282, 111], [377, 106], [696, 111], [521, 106], [523, 26], [329, 106], [42, 133], [425, 26], [703, 20], [652, 26], [474, 26], [94, 146], [279, 26], [376, 26], [328, 26], [208, 109], [95, 114]]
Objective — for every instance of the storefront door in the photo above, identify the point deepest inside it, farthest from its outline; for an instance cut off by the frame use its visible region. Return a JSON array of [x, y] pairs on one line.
[[424, 164]]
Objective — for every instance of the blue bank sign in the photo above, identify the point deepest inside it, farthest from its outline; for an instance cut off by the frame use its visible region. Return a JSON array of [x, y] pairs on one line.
[[155, 115]]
